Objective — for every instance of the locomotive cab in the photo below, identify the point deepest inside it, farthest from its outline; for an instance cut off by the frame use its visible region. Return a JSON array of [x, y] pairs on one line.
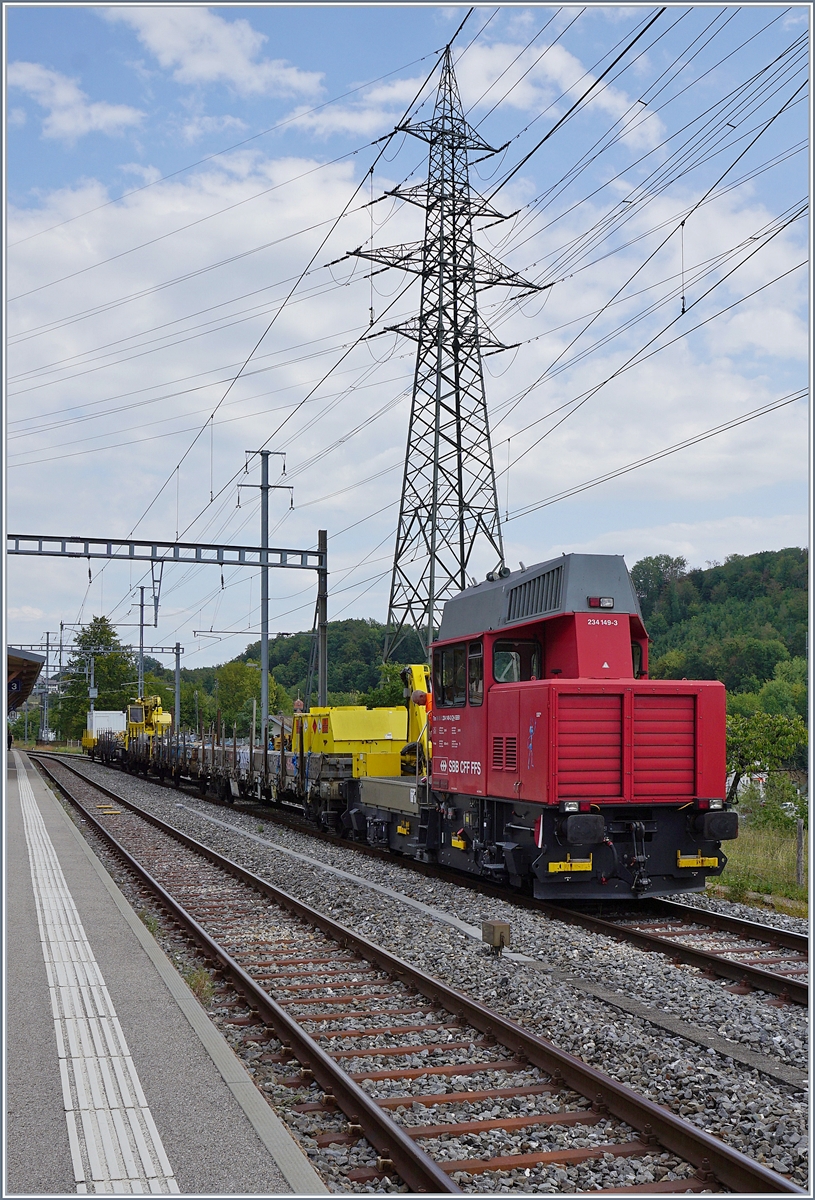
[[557, 763]]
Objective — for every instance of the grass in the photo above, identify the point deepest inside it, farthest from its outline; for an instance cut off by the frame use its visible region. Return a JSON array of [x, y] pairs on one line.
[[763, 860], [149, 921], [199, 981]]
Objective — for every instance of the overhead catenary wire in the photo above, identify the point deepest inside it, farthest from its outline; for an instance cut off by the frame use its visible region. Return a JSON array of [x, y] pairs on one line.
[[699, 273], [356, 191], [646, 460], [640, 357], [551, 191], [573, 108], [308, 265], [619, 291], [177, 477], [296, 117]]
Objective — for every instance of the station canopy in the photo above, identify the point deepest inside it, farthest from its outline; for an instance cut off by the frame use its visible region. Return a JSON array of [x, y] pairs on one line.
[[23, 669]]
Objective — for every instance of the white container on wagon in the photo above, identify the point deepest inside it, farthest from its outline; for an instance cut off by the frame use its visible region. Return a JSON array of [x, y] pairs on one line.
[[106, 722]]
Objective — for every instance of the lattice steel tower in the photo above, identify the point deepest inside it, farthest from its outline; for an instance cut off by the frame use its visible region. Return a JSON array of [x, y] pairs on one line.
[[449, 504]]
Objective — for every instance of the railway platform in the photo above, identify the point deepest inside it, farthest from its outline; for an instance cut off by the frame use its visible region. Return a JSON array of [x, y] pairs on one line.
[[116, 1080]]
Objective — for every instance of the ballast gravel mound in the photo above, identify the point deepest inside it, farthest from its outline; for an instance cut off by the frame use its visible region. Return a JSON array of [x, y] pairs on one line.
[[759, 1116]]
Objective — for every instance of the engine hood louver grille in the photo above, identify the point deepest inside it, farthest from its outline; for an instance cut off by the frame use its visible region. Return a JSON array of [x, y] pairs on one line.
[[536, 596]]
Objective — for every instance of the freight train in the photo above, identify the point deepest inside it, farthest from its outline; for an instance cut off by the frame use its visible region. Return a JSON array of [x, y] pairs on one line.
[[535, 752]]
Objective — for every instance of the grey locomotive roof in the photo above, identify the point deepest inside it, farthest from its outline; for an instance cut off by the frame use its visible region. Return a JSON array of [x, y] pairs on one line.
[[561, 585]]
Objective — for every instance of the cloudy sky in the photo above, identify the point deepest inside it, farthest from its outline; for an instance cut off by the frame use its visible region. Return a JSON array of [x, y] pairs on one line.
[[181, 183]]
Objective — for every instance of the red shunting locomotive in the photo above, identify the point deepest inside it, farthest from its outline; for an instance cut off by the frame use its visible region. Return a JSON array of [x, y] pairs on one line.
[[556, 760]]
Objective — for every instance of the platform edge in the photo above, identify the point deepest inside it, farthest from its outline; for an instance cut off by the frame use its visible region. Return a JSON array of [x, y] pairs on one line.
[[271, 1130]]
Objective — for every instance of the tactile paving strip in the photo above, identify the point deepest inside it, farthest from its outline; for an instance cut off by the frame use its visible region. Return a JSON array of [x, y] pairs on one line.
[[115, 1146]]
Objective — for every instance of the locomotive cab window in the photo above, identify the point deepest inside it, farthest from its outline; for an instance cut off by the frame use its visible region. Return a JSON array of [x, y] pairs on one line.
[[516, 662], [450, 677], [636, 655], [135, 714], [475, 673]]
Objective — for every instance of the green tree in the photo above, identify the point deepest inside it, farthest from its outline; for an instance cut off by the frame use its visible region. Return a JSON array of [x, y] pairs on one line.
[[115, 674], [777, 806], [653, 576], [745, 663], [391, 689], [17, 726], [760, 743], [238, 685]]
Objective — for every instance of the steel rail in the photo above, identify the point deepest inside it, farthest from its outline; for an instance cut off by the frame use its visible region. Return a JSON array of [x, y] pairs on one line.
[[726, 924], [710, 1155], [414, 1166], [743, 973], [796, 991]]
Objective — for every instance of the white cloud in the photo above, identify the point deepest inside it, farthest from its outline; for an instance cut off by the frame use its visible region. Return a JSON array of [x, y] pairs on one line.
[[201, 47], [491, 73], [148, 174], [16, 118], [699, 542], [70, 114], [198, 127], [763, 329], [533, 79], [155, 367], [25, 613]]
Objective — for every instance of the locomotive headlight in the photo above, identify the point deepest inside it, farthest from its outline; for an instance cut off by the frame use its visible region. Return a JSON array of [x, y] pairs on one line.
[[717, 804], [568, 806]]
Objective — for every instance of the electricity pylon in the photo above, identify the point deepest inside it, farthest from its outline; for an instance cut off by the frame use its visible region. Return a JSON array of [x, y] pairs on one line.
[[449, 504]]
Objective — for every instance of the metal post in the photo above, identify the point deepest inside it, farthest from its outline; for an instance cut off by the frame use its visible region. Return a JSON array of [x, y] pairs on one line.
[[252, 739], [264, 588], [177, 713], [322, 620], [141, 643], [92, 688], [26, 722], [44, 730], [799, 858]]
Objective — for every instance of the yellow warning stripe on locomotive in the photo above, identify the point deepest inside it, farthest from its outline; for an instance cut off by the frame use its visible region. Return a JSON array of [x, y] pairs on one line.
[[571, 864], [697, 860]]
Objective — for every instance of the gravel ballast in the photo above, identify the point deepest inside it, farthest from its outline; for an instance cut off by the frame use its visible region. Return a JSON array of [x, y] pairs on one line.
[[760, 1116]]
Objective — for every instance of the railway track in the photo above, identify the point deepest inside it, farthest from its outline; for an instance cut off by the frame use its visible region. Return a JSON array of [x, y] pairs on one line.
[[379, 1043], [753, 957]]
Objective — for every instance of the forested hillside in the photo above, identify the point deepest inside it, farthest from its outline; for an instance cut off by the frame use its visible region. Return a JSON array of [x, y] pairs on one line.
[[737, 621], [743, 621], [354, 658]]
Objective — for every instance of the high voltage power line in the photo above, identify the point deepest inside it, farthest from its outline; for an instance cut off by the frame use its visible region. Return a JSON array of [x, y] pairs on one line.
[[701, 150]]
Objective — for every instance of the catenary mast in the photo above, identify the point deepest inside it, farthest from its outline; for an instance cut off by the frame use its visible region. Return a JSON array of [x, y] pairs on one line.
[[449, 503]]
